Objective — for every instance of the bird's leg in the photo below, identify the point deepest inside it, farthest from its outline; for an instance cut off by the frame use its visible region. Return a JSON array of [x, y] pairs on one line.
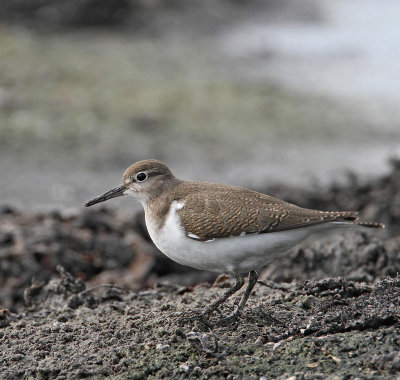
[[253, 276], [214, 306]]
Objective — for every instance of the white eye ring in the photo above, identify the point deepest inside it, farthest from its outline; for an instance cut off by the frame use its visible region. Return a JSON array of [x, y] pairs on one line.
[[141, 176]]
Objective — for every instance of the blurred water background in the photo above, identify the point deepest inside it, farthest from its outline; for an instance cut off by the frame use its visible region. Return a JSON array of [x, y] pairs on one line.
[[255, 94]]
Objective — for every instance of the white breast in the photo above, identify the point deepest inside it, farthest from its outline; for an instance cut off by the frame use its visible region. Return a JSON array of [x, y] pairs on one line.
[[232, 254]]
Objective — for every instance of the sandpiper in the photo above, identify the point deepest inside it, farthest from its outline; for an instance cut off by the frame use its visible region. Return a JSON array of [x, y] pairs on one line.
[[221, 228]]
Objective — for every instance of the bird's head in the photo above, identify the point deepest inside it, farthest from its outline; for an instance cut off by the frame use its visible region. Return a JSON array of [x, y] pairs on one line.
[[143, 180]]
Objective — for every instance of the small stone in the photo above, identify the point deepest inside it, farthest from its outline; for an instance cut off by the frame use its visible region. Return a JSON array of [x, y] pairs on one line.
[[187, 367], [289, 297], [162, 347], [56, 326], [309, 302], [4, 317], [63, 317], [260, 340], [75, 301]]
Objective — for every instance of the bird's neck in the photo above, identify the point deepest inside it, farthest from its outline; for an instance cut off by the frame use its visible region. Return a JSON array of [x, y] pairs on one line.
[[158, 204]]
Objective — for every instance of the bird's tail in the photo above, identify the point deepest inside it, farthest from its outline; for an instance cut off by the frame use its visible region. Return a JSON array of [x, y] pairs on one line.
[[369, 224], [352, 217]]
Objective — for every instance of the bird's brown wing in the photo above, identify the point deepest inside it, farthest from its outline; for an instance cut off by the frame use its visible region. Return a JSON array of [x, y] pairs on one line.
[[231, 211]]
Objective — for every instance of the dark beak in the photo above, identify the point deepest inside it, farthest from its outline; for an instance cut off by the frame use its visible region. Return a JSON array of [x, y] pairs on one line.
[[113, 193]]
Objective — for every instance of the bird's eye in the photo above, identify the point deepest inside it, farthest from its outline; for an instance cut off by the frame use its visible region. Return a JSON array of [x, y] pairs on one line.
[[140, 177]]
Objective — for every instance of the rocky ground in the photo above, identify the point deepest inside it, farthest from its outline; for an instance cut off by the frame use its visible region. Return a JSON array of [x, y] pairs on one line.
[[308, 330], [61, 316]]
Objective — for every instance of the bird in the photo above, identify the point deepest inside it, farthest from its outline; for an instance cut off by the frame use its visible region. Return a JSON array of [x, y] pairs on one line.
[[221, 228]]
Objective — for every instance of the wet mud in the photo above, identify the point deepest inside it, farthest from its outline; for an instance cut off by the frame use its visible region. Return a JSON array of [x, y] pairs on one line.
[[309, 330], [88, 295]]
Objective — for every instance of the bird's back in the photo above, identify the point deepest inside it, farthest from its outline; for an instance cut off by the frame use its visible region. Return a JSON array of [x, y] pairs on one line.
[[209, 211]]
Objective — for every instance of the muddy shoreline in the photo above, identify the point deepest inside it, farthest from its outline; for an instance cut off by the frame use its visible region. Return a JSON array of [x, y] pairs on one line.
[[61, 317], [312, 330]]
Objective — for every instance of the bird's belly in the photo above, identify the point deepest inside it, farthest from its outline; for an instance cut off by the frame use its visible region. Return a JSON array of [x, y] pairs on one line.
[[232, 254]]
